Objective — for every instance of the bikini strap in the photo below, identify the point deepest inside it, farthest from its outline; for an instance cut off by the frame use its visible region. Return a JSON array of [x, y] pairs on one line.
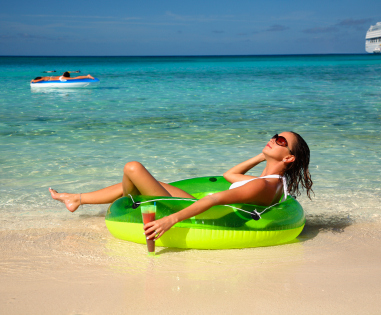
[[271, 176], [285, 190]]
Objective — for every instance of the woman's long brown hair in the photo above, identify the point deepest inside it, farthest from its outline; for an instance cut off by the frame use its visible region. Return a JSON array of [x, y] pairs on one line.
[[298, 173]]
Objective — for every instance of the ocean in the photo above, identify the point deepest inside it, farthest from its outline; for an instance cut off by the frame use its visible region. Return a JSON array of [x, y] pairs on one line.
[[185, 117]]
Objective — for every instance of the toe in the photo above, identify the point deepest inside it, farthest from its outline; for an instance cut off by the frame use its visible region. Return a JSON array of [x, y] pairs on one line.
[[53, 190]]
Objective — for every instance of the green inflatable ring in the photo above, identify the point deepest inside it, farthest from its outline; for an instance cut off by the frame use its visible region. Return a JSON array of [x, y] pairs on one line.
[[226, 226]]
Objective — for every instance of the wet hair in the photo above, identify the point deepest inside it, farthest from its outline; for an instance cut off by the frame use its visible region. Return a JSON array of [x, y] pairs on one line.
[[66, 74], [38, 78], [297, 173]]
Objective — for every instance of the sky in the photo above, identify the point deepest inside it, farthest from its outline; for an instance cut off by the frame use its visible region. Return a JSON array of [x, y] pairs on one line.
[[175, 27]]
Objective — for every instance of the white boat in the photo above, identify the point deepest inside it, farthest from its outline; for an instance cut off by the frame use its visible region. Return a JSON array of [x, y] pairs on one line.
[[73, 83], [373, 39]]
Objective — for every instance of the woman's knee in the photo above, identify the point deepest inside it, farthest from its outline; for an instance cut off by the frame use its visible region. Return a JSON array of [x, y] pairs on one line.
[[133, 167]]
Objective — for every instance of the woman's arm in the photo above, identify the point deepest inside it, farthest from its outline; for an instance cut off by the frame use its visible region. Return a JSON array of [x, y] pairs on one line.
[[256, 192], [237, 172]]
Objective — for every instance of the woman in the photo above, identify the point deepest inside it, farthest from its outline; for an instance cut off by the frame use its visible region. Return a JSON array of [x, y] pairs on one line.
[[64, 77], [287, 157]]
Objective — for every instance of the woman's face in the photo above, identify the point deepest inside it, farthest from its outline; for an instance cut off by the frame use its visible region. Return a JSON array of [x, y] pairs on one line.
[[278, 152]]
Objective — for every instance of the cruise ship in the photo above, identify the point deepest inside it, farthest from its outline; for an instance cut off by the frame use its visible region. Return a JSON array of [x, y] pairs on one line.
[[373, 39]]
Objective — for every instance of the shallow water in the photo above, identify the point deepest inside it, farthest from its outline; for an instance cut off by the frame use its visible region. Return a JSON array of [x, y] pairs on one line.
[[184, 117]]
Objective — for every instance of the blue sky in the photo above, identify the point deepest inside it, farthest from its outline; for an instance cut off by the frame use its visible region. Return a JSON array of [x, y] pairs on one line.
[[168, 27]]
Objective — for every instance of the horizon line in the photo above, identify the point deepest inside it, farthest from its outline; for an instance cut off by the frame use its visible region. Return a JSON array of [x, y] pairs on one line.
[[157, 56]]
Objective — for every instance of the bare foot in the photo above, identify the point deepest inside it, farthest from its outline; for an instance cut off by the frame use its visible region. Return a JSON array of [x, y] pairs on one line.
[[91, 77], [71, 201]]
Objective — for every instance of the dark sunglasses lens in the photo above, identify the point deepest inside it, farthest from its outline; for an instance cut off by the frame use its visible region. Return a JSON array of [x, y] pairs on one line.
[[281, 141]]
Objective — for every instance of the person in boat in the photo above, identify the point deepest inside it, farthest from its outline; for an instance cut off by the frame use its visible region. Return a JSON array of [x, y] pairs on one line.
[[286, 155], [64, 77]]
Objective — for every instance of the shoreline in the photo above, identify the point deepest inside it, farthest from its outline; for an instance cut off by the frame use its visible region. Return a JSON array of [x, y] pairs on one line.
[[81, 269]]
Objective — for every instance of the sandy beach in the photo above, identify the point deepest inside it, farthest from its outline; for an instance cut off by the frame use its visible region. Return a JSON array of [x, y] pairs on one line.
[[81, 269]]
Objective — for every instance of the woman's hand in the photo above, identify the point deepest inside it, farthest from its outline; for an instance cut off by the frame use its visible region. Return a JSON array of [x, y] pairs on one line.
[[158, 228], [155, 229]]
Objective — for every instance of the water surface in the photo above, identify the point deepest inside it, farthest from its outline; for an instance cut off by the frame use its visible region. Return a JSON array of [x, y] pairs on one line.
[[184, 117]]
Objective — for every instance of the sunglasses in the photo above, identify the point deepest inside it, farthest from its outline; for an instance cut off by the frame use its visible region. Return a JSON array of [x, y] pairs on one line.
[[281, 141]]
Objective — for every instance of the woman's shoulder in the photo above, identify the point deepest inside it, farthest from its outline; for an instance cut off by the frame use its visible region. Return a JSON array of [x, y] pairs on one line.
[[264, 190]]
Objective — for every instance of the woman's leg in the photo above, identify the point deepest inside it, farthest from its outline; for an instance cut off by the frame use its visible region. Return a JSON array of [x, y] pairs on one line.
[[73, 201], [176, 192], [136, 181]]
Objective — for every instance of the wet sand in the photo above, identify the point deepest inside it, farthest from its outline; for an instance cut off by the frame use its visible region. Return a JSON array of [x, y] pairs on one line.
[[81, 269]]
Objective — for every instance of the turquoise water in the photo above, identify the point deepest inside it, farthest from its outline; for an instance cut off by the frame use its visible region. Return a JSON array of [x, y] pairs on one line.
[[184, 117]]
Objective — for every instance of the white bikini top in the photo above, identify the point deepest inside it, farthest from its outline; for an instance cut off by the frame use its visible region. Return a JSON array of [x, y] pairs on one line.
[[243, 182], [61, 78]]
